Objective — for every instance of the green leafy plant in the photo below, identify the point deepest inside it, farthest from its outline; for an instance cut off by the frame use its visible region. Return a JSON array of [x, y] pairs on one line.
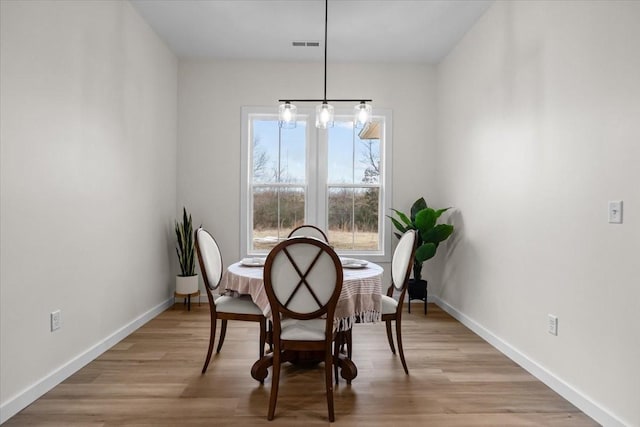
[[185, 246], [424, 220]]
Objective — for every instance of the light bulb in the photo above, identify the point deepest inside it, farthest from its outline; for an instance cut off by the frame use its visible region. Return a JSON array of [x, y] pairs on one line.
[[287, 113], [362, 115], [324, 116]]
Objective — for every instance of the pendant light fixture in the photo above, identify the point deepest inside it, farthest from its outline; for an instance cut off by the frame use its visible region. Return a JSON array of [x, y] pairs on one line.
[[325, 111]]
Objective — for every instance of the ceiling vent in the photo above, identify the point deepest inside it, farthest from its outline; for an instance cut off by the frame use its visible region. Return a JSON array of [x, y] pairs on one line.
[[305, 44]]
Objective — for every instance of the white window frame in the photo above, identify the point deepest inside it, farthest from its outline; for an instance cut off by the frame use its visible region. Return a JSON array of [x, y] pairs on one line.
[[316, 189]]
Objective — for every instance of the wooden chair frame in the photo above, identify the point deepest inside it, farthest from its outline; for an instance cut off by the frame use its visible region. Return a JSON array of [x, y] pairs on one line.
[[397, 316], [280, 308], [211, 284], [347, 336], [295, 232]]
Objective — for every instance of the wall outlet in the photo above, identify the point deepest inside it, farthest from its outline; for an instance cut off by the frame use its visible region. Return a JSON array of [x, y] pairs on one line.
[[56, 320], [553, 325]]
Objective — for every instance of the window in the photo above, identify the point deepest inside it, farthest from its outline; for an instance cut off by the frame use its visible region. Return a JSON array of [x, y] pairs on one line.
[[338, 179]]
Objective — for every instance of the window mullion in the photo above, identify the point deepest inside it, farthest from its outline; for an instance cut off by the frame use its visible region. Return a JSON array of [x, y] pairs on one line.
[[320, 184]]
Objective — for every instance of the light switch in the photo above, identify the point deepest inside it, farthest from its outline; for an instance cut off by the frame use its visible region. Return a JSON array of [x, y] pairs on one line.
[[615, 212]]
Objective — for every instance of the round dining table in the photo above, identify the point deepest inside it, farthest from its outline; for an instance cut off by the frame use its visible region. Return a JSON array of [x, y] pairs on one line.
[[360, 301]]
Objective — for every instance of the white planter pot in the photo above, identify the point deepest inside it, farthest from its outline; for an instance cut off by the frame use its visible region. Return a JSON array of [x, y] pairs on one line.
[[186, 285]]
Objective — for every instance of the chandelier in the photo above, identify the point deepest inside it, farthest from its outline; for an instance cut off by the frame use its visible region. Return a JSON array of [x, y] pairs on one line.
[[287, 112]]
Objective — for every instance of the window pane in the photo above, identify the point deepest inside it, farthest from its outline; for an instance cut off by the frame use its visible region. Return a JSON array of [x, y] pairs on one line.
[[368, 160], [340, 153], [293, 155], [352, 159], [276, 211], [353, 218], [278, 156], [265, 150]]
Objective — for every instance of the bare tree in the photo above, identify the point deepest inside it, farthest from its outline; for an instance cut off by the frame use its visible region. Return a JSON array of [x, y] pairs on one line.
[[370, 157], [260, 160]]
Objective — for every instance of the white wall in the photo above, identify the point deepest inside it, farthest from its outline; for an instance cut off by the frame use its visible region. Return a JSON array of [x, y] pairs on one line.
[[211, 95], [88, 184], [538, 128]]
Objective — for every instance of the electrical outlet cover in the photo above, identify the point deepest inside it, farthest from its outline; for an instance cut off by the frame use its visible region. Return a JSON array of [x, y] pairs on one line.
[[553, 325], [55, 320]]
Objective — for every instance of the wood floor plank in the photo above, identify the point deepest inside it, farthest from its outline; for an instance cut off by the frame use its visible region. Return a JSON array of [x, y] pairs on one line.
[[152, 378]]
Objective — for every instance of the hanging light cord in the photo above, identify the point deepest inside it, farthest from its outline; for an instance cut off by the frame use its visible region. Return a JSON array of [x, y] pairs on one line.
[[324, 99], [326, 18]]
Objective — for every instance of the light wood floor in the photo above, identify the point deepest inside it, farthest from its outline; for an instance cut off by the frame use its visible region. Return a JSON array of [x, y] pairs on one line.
[[152, 378]]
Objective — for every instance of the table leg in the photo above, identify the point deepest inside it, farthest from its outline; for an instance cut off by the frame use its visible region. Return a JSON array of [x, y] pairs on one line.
[[260, 369], [348, 369]]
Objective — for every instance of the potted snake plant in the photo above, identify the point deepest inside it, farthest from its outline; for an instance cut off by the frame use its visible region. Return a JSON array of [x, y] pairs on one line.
[[429, 235], [187, 280]]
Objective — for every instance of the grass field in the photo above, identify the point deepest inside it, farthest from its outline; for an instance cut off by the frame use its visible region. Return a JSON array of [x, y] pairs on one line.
[[267, 239]]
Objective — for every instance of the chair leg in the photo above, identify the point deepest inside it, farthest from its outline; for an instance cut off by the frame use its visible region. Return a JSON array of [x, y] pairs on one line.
[[349, 343], [223, 332], [337, 345], [275, 380], [390, 337], [212, 337], [409, 305], [328, 359], [263, 335], [400, 350]]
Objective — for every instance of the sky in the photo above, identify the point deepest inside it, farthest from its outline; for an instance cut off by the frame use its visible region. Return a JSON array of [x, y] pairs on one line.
[[342, 149]]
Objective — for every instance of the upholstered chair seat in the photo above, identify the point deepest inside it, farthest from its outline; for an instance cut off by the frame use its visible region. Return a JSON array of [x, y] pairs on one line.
[[303, 330], [389, 305], [239, 305]]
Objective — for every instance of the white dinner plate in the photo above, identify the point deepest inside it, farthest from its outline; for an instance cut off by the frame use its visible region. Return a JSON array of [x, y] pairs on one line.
[[353, 263], [252, 262]]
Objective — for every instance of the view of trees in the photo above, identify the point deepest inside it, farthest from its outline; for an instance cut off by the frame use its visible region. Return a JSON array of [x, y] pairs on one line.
[[269, 201], [353, 209], [349, 209]]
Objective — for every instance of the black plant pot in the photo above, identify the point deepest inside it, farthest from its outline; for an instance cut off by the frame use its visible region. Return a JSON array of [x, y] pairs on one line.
[[418, 290]]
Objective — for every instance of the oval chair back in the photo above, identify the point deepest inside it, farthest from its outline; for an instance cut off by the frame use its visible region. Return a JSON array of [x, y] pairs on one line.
[[209, 258], [308, 230], [402, 261]]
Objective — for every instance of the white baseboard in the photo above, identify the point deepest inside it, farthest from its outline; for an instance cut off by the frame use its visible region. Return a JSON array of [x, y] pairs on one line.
[[32, 393], [578, 399]]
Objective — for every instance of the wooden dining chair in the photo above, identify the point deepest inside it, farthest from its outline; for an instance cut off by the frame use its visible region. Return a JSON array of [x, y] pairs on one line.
[[308, 230], [303, 280], [221, 306], [401, 265]]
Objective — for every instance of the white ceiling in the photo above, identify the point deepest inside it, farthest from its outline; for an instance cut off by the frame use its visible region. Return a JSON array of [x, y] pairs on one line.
[[419, 31]]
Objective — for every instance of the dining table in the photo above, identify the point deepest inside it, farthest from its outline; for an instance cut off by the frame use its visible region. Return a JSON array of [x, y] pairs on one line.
[[360, 301]]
